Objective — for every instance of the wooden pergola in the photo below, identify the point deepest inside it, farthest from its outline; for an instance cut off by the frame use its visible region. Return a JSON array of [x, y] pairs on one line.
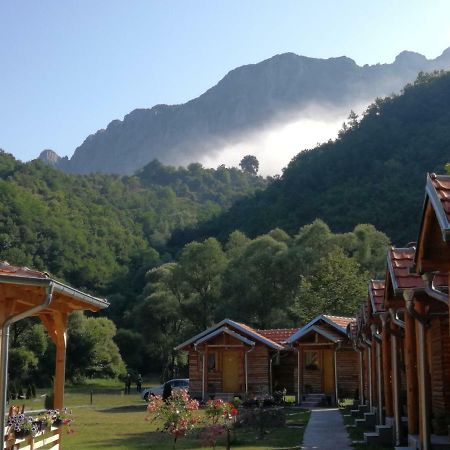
[[29, 293]]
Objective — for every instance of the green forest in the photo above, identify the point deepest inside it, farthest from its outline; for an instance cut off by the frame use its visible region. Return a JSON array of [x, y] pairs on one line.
[[374, 172], [175, 249]]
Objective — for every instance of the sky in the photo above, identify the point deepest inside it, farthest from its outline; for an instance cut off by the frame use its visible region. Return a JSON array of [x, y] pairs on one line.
[[70, 67]]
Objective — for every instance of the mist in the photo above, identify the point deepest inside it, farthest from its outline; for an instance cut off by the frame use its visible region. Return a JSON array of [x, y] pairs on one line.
[[276, 144]]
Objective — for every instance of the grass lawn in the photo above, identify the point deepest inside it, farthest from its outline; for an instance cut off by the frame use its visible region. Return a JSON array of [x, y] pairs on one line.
[[118, 422]]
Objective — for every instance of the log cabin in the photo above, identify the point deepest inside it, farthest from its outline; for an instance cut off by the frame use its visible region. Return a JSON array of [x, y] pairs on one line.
[[232, 359], [430, 311], [326, 359]]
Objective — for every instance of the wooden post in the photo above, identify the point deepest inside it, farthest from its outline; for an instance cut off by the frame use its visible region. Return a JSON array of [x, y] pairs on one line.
[[396, 386], [60, 321], [387, 368], [373, 374], [422, 380], [411, 375]]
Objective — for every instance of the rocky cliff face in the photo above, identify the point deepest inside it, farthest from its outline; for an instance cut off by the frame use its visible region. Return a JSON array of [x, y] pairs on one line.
[[246, 98]]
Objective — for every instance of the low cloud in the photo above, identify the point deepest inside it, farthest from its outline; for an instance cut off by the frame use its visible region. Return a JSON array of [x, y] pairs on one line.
[[277, 144]]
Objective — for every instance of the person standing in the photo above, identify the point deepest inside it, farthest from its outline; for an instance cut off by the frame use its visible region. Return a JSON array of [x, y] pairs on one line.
[[139, 383], [128, 383]]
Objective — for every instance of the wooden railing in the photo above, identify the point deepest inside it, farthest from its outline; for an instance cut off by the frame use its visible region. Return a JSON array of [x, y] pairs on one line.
[[44, 440]]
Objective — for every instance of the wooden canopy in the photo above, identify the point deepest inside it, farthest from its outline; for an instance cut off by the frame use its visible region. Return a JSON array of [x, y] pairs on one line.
[[26, 293]]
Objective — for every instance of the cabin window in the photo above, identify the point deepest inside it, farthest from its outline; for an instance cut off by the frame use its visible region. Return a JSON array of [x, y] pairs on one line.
[[312, 360], [212, 362]]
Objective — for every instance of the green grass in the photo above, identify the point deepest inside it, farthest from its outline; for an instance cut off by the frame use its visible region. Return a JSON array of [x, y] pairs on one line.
[[118, 422]]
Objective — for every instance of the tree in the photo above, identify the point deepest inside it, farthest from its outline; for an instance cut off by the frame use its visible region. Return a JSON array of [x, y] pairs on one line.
[[249, 164], [201, 267], [255, 284], [337, 286]]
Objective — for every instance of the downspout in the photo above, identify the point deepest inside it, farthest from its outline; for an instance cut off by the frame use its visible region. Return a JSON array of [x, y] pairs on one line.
[[271, 371], [424, 412], [246, 368], [431, 290], [395, 319], [376, 334], [48, 285], [335, 371], [203, 370]]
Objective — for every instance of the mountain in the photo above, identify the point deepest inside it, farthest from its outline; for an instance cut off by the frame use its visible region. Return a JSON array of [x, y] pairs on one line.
[[246, 99], [373, 173]]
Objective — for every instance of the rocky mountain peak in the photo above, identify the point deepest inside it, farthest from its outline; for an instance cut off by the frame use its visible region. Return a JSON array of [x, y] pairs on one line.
[[49, 157]]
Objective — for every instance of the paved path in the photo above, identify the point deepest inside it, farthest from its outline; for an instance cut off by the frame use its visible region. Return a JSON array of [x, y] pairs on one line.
[[326, 431]]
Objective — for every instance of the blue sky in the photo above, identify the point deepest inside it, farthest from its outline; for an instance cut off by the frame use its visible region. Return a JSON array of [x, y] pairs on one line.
[[69, 67]]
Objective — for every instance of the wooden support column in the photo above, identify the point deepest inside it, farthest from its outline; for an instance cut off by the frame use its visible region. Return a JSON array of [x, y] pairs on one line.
[[56, 325], [396, 384], [60, 368], [387, 367], [411, 375], [422, 380], [205, 368], [373, 373]]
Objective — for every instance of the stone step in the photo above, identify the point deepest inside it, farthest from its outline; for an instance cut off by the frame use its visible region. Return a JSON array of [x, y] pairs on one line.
[[369, 421], [382, 436], [385, 431], [404, 448]]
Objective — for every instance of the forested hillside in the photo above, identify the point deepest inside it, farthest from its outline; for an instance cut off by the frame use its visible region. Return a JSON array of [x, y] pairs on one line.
[[95, 230], [373, 173]]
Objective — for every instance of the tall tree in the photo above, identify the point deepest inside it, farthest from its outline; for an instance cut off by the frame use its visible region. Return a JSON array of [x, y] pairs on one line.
[[249, 164]]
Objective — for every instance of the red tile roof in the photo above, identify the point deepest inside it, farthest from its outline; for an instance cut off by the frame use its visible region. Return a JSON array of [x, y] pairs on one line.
[[340, 321], [7, 269], [400, 263], [277, 335], [441, 184], [376, 294], [258, 332]]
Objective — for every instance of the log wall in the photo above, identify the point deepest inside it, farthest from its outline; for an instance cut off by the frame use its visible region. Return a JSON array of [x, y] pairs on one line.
[[347, 373]]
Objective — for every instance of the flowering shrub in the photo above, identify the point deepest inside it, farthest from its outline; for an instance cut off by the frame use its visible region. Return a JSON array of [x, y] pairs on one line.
[[176, 413], [220, 417]]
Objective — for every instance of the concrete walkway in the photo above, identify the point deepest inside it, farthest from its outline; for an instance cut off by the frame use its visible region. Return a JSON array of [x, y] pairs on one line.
[[326, 431]]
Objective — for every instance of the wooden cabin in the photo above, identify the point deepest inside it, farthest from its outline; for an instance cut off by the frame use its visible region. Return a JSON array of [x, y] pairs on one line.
[[432, 260], [26, 293], [233, 359], [366, 334], [326, 359]]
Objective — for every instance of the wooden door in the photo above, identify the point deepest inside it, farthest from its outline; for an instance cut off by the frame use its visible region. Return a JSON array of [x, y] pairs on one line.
[[230, 372], [328, 371]]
